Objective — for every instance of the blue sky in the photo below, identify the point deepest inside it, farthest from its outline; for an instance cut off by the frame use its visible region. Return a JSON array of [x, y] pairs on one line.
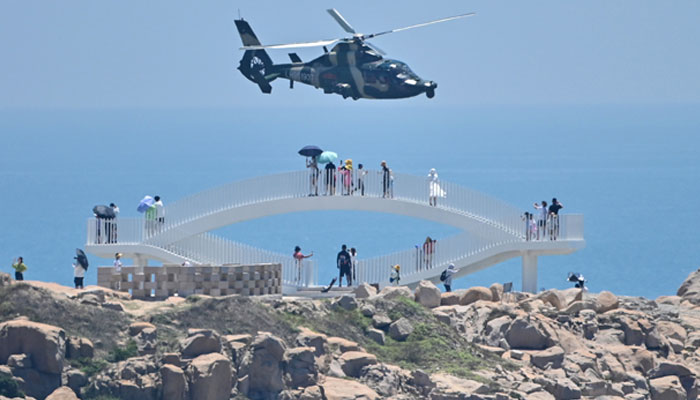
[[183, 54]]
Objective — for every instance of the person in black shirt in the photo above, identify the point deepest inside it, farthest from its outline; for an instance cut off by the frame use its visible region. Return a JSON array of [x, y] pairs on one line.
[[386, 179], [344, 265], [330, 179], [553, 212]]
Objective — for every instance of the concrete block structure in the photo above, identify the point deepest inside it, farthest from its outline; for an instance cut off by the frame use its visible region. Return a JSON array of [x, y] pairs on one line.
[[170, 280]]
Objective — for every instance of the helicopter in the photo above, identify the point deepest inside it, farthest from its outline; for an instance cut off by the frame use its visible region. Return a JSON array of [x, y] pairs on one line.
[[353, 68]]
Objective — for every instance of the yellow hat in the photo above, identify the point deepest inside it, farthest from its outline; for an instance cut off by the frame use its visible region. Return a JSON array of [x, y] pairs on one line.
[[397, 267]]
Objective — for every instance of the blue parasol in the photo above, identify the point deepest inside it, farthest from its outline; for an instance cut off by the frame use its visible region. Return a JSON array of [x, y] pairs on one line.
[[327, 157], [145, 204]]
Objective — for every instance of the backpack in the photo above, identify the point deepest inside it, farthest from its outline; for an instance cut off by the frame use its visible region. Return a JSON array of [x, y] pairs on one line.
[[443, 276]]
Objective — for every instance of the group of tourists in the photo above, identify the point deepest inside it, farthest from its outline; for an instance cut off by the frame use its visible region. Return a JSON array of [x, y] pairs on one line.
[[344, 178], [346, 262], [544, 221], [80, 266], [107, 226]]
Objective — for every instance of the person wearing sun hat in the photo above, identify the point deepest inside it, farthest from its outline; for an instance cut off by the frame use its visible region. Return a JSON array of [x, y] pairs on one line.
[[395, 276]]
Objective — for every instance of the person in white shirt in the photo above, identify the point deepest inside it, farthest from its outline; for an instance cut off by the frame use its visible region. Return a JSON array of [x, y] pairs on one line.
[[160, 211], [541, 218], [78, 275], [449, 272], [118, 268]]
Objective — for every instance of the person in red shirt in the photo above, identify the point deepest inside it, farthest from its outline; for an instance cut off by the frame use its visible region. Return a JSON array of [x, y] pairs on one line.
[[299, 257]]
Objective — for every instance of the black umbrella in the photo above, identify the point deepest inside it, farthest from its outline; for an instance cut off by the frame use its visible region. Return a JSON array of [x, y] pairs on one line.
[[106, 212], [82, 258], [310, 151]]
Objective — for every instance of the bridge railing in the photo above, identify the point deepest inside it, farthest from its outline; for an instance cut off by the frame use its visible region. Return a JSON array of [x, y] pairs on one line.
[[422, 258], [118, 230], [327, 183]]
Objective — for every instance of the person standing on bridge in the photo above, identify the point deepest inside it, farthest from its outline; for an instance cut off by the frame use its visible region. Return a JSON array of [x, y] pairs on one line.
[[330, 179], [160, 212], [361, 172], [386, 179], [344, 263], [312, 165], [554, 218], [299, 258], [541, 218], [434, 189]]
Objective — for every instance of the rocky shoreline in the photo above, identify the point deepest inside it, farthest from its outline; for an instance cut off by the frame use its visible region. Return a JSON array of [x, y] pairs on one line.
[[59, 344]]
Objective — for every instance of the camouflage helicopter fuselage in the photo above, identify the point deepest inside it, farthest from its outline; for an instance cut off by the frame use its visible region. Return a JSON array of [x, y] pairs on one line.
[[351, 69]]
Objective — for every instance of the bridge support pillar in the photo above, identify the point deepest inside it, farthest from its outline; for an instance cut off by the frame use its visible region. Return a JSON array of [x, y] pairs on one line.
[[529, 273]]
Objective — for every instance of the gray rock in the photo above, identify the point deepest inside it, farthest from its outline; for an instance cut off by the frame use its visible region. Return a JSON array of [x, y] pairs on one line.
[[201, 343], [113, 305], [46, 344], [300, 367], [427, 294], [346, 302], [380, 321], [210, 377], [667, 388], [19, 361], [523, 334], [63, 393], [365, 290], [174, 382], [76, 379], [352, 362], [368, 310], [553, 356], [77, 347], [401, 329], [264, 365], [376, 335]]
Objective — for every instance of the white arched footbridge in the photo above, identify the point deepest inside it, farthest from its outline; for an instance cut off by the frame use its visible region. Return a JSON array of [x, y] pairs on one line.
[[493, 231]]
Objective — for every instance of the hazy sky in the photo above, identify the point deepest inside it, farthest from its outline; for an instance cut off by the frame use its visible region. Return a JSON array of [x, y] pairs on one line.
[[163, 54]]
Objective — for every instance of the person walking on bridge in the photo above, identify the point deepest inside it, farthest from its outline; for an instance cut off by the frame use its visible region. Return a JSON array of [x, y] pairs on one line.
[[19, 267], [386, 179], [541, 218], [449, 272], [344, 263]]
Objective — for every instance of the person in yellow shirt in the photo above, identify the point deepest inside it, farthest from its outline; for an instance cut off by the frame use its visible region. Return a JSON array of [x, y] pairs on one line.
[[19, 268]]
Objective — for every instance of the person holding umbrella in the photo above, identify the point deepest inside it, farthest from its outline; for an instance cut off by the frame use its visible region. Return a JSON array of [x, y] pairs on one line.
[[80, 266], [19, 267], [312, 153]]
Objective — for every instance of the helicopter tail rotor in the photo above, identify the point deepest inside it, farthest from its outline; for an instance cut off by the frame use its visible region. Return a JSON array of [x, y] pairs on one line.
[[256, 65]]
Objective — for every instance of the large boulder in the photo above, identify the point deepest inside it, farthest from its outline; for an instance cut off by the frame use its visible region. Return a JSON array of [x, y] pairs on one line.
[[63, 393], [342, 344], [352, 362], [690, 288], [667, 388], [343, 389], [450, 387], [427, 294], [309, 338], [376, 335], [365, 290], [45, 343], [77, 347], [392, 292], [136, 327], [346, 302], [174, 382], [264, 365], [301, 367], [451, 298], [400, 329], [525, 334], [202, 342], [381, 321], [475, 294], [210, 377], [606, 301], [553, 356]]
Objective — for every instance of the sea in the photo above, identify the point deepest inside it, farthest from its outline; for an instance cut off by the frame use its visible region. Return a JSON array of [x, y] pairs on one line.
[[633, 171]]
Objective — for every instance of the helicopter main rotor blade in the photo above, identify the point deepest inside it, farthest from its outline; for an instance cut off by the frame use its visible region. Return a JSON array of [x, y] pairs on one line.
[[340, 20], [317, 43], [418, 25]]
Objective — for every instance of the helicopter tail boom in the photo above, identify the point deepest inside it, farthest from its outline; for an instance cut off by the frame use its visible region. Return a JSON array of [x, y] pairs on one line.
[[256, 65]]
